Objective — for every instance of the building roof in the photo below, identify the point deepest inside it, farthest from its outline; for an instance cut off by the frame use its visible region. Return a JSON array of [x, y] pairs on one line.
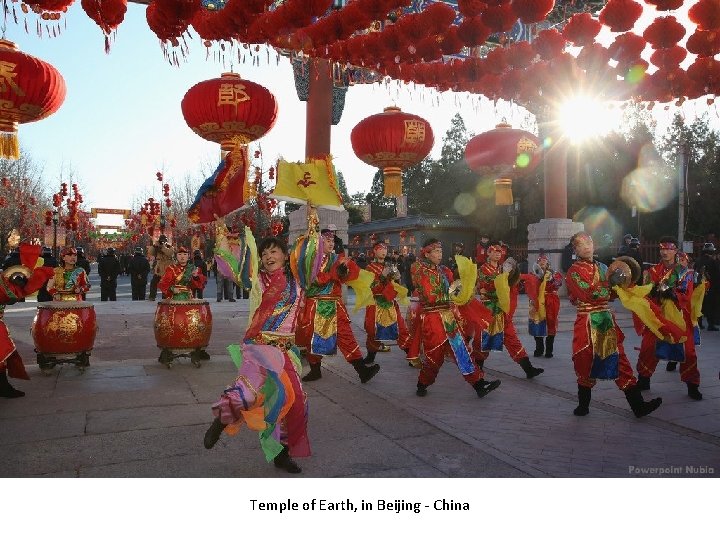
[[411, 222]]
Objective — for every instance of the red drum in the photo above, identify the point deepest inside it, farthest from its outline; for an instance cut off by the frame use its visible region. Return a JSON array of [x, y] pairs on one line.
[[64, 332], [183, 325]]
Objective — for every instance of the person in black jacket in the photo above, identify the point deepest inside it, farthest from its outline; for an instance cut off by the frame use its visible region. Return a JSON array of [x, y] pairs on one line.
[[139, 267], [51, 262], [707, 265], [109, 269], [199, 262], [83, 263]]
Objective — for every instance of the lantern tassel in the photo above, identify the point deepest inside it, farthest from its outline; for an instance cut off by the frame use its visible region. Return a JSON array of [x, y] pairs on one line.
[[392, 177], [9, 146], [503, 192]]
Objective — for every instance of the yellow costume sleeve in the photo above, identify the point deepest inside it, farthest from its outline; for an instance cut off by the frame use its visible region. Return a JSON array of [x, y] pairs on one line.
[[468, 277], [255, 292], [696, 301], [363, 292], [541, 296], [502, 288], [402, 294], [633, 299]]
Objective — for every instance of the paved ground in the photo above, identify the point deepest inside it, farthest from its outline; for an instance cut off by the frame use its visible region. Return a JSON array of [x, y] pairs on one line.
[[128, 416]]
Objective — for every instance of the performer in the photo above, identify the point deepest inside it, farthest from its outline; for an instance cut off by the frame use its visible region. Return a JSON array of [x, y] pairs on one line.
[[324, 325], [598, 351], [541, 287], [672, 296], [501, 330], [182, 278], [69, 282], [20, 278], [383, 320], [481, 250], [267, 393], [438, 326]]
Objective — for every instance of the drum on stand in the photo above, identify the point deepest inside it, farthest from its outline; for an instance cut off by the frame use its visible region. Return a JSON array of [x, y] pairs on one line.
[[64, 332], [183, 328]]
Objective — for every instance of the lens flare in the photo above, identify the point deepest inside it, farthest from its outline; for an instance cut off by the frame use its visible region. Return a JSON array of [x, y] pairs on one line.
[[465, 204], [583, 117], [650, 186], [598, 222]]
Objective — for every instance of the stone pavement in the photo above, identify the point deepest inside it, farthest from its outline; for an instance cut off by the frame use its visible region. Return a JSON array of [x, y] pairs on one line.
[[129, 416]]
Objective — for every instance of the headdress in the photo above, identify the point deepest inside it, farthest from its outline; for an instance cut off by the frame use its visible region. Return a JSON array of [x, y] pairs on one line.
[[68, 251], [427, 249]]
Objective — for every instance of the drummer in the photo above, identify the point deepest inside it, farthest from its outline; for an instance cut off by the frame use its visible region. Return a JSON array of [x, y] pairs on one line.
[[70, 281], [181, 279]]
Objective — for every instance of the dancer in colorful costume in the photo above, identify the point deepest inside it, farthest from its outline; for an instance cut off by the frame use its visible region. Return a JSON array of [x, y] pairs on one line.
[[541, 287], [497, 286], [69, 282], [438, 325], [23, 274], [672, 296], [267, 394], [324, 325], [383, 321], [598, 351], [179, 280]]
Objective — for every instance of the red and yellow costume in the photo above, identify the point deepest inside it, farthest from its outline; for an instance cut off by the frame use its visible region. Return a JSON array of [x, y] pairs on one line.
[[437, 326], [383, 321], [69, 284], [324, 325], [598, 351], [677, 310], [179, 281], [543, 302]]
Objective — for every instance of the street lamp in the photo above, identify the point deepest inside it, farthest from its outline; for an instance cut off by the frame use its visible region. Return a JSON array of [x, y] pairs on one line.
[[55, 219]]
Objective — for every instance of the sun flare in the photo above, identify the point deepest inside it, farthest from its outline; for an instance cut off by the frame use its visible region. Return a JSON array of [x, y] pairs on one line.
[[583, 118]]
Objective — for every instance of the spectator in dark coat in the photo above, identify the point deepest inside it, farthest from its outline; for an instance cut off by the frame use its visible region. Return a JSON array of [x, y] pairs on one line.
[[199, 262], [51, 262], [109, 269], [139, 268], [83, 263], [707, 265]]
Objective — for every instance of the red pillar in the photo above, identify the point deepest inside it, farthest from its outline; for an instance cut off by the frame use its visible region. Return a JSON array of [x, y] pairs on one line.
[[319, 109], [556, 178]]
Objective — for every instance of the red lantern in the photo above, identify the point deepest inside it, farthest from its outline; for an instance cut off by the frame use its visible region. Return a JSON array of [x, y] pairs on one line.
[[392, 140], [30, 90], [229, 110], [506, 153]]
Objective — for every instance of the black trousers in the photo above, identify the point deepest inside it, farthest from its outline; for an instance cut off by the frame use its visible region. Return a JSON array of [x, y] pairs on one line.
[[108, 290], [153, 286], [138, 289]]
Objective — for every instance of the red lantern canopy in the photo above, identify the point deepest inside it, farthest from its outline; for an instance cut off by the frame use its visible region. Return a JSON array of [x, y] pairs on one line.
[[229, 110], [392, 141], [30, 90], [505, 153]]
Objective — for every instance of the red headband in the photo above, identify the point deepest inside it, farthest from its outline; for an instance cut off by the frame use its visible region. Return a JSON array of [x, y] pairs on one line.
[[494, 248], [68, 251], [668, 245], [427, 249]]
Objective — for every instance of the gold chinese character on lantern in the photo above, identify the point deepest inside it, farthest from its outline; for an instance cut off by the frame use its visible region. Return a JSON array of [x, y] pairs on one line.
[[232, 94], [414, 132], [7, 77], [525, 146]]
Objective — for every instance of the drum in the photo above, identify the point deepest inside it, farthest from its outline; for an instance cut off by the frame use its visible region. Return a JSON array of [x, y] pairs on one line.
[[183, 325], [64, 328]]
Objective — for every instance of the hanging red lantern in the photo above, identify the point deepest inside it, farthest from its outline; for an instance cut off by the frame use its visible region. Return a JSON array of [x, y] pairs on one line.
[[30, 90], [392, 141], [505, 153], [229, 110], [620, 15]]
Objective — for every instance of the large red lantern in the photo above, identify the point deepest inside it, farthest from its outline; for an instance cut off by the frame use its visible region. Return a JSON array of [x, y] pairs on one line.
[[392, 141], [229, 110], [505, 153], [30, 90]]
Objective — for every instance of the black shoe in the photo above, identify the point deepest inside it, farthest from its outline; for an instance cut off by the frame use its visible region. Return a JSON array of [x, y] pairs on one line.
[[212, 435], [694, 391], [6, 389], [530, 370], [365, 372], [549, 344], [314, 373], [584, 395], [539, 347], [284, 461], [370, 358], [421, 390], [640, 407], [670, 366], [483, 387], [643, 383]]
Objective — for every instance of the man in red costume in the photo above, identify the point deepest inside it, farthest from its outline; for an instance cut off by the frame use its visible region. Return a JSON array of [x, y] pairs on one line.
[[439, 324], [179, 280], [501, 331], [324, 325], [19, 279], [543, 323], [383, 320], [670, 291], [598, 351]]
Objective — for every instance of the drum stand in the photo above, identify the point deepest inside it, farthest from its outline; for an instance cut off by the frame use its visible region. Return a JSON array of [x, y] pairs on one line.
[[48, 362], [168, 356]]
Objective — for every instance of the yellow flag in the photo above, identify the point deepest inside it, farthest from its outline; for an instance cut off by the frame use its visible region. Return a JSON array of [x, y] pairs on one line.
[[312, 182]]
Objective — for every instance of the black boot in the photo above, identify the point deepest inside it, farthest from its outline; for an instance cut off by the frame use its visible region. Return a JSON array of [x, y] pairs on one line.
[[700, 323], [6, 389], [539, 347], [643, 383], [584, 394], [694, 391], [638, 405], [284, 461], [314, 374], [483, 387], [212, 435], [370, 358], [549, 342], [366, 372], [421, 390], [670, 366], [530, 370]]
